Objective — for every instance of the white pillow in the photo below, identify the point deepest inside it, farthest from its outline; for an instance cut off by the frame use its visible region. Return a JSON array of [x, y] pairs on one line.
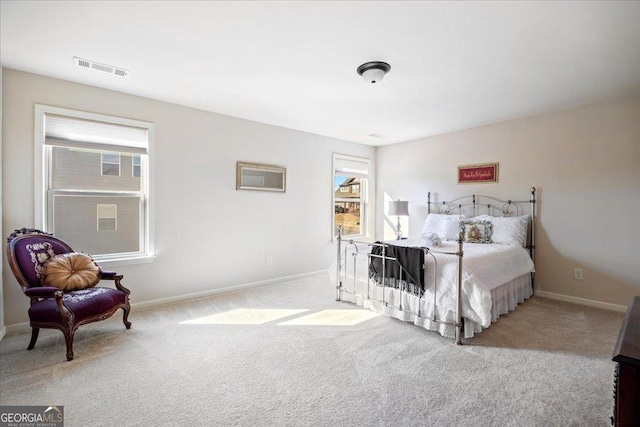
[[451, 228], [445, 226], [431, 225], [511, 230]]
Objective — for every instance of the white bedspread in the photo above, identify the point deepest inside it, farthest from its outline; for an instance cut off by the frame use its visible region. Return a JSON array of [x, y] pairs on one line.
[[485, 266]]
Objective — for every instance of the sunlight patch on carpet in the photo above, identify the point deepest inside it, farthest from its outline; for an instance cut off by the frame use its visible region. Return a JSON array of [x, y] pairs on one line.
[[244, 316], [332, 318]]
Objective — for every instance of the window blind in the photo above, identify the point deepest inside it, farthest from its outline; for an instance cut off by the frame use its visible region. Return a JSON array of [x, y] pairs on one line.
[[73, 132], [351, 167]]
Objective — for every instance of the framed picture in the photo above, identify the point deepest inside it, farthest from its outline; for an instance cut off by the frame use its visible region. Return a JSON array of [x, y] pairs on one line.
[[260, 177], [471, 174]]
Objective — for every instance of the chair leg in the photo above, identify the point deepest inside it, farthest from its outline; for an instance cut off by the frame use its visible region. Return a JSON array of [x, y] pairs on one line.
[[125, 316], [68, 337], [34, 338]]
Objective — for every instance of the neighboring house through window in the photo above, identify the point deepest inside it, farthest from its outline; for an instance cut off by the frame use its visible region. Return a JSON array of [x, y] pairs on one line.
[[349, 196], [136, 166], [107, 217], [94, 187], [111, 164]]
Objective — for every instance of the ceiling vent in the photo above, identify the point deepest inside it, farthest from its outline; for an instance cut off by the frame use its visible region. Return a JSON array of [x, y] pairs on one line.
[[85, 63]]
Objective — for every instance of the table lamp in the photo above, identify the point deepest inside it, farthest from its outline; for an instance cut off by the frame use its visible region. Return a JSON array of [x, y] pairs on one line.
[[398, 208]]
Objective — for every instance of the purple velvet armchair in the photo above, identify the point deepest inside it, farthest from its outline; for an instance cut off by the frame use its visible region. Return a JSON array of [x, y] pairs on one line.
[[27, 251]]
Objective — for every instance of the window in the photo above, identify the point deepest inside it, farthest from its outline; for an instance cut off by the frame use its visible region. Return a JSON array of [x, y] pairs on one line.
[[111, 164], [107, 217], [86, 195], [349, 195], [136, 166]]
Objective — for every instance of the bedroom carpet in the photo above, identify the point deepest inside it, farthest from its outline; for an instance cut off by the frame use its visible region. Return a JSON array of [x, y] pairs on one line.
[[290, 355]]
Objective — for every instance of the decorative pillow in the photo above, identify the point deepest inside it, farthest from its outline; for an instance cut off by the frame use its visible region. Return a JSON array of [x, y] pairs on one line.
[[445, 226], [508, 230], [70, 272], [476, 231]]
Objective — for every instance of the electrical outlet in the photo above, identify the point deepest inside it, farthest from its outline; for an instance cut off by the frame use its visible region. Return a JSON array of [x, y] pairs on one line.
[[269, 260], [577, 273]]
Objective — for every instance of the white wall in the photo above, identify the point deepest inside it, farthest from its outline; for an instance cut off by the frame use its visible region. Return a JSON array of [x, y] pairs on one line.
[[2, 327], [585, 163], [208, 235]]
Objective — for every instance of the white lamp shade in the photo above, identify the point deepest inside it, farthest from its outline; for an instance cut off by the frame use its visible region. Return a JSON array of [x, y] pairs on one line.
[[398, 208], [373, 75]]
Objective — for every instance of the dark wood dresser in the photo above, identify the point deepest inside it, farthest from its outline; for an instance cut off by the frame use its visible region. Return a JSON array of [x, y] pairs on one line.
[[626, 353]]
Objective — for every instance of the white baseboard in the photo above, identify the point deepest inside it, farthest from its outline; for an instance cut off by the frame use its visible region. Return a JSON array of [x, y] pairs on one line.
[[581, 301], [3, 332], [18, 327], [228, 289], [23, 327]]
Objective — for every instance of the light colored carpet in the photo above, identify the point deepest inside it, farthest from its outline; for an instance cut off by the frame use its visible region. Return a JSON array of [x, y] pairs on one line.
[[252, 358]]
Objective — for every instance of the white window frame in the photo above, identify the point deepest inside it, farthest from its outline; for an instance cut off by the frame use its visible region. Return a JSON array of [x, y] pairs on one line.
[[43, 204], [102, 163], [363, 199]]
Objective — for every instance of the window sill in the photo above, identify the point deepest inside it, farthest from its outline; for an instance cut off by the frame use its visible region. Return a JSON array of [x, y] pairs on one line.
[[116, 262]]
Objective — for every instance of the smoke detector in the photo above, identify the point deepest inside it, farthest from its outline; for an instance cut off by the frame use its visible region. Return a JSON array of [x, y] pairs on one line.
[[92, 65]]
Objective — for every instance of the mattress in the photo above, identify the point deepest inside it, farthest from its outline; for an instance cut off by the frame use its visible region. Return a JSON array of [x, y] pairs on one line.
[[495, 279]]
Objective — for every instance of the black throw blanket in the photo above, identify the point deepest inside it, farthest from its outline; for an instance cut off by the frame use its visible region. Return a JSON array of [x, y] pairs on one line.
[[410, 263]]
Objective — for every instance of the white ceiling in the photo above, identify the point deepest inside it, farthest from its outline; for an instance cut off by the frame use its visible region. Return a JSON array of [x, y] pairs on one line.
[[454, 65]]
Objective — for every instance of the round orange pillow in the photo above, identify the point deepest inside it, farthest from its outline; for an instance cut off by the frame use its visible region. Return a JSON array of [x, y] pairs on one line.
[[70, 272]]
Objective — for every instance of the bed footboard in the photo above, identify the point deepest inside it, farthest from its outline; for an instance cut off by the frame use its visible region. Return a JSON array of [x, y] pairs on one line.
[[342, 265]]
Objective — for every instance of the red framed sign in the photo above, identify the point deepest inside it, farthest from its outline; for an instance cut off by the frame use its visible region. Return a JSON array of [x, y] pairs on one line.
[[469, 174]]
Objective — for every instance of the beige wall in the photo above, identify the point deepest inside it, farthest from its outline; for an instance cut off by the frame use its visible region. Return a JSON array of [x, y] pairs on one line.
[[2, 323], [585, 163], [208, 235]]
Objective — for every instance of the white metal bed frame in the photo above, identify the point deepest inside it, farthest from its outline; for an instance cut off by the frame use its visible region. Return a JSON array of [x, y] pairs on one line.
[[458, 205]]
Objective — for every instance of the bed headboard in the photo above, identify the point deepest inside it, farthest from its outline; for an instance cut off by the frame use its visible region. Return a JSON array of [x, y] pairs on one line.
[[475, 204]]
